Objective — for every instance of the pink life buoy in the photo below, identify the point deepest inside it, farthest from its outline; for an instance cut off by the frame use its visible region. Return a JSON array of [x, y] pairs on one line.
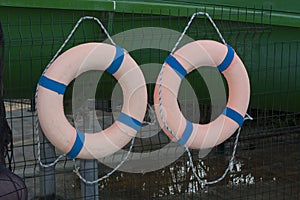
[[69, 65], [184, 60]]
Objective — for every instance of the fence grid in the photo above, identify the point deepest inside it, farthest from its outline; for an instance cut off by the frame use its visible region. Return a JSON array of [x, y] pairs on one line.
[[268, 155]]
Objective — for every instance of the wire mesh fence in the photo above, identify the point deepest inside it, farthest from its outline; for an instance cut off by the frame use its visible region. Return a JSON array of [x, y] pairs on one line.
[[267, 163]]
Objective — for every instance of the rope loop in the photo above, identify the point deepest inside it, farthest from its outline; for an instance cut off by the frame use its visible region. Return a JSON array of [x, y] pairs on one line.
[[76, 168], [203, 182]]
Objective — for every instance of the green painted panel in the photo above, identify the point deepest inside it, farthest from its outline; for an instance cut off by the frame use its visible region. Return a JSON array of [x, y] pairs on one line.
[[60, 4], [32, 37], [270, 52], [290, 6], [276, 5], [282, 12]]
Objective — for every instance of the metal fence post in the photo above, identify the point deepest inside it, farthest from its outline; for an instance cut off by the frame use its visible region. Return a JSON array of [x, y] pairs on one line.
[[47, 175], [89, 168]]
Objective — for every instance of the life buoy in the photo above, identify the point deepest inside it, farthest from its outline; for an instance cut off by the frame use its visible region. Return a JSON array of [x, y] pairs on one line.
[[184, 60], [69, 65]]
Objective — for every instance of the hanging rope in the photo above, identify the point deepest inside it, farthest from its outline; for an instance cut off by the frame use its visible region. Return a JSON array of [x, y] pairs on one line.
[[203, 182], [76, 169]]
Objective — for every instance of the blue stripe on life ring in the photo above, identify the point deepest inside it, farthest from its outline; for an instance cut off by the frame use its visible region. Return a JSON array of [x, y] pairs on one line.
[[129, 121], [52, 85], [177, 67], [227, 60], [234, 115], [116, 63], [77, 146], [186, 134]]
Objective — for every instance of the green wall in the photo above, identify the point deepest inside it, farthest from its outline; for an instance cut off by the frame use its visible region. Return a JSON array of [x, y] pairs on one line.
[[265, 34]]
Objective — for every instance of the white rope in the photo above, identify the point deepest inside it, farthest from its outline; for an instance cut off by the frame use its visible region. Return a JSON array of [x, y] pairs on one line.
[[203, 182], [189, 24], [76, 169]]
